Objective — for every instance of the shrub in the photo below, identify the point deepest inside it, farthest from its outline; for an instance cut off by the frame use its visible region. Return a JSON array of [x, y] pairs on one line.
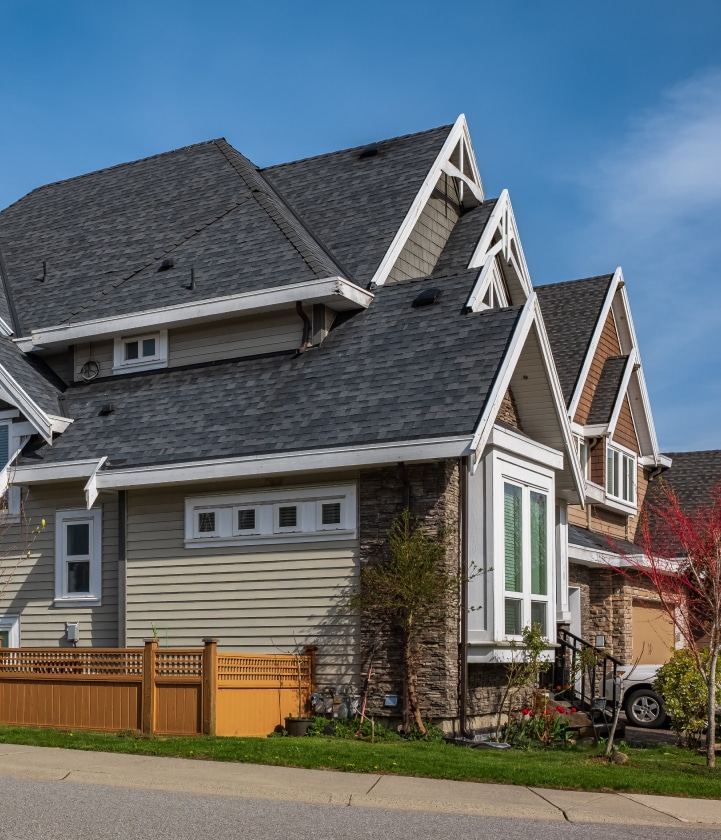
[[685, 695]]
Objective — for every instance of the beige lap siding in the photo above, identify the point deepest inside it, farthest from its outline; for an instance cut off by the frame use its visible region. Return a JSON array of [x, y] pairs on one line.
[[253, 598], [31, 591]]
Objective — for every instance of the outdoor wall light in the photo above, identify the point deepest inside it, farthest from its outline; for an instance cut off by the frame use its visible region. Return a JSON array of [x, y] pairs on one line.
[[600, 641]]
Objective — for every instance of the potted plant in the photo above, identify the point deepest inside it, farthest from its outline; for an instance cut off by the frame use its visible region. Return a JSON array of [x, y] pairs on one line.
[[298, 726]]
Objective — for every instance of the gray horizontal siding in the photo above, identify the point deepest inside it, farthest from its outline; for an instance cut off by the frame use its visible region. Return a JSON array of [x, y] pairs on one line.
[[31, 590], [100, 352], [256, 599]]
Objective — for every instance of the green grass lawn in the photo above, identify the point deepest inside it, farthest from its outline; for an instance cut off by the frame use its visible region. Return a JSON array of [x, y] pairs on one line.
[[655, 770]]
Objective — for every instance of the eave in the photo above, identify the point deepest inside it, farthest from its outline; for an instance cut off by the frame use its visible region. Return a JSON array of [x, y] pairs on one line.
[[336, 292]]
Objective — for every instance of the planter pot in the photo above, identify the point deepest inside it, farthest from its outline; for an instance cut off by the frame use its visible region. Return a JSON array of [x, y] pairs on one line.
[[297, 727]]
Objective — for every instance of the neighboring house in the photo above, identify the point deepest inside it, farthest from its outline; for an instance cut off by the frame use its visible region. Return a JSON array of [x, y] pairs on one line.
[[221, 384], [594, 344]]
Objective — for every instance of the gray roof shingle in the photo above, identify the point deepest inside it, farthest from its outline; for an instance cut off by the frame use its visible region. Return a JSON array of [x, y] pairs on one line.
[[355, 205], [693, 476], [463, 240], [609, 383], [584, 538], [33, 376], [389, 373], [570, 313], [103, 236]]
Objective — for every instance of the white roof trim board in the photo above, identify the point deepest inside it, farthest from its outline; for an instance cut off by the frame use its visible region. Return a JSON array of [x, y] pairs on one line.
[[458, 134], [502, 222], [45, 424], [337, 292]]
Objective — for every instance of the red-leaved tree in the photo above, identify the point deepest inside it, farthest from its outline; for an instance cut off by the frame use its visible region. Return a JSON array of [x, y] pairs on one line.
[[682, 563]]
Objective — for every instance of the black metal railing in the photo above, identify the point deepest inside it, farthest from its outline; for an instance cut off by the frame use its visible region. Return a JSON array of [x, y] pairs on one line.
[[585, 674]]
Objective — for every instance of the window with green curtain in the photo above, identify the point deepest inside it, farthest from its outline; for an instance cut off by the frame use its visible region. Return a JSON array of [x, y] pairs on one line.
[[538, 615], [539, 544], [512, 513], [514, 622]]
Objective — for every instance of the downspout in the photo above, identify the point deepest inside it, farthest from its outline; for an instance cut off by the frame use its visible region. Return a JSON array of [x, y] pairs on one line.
[[307, 327], [463, 515], [122, 568]]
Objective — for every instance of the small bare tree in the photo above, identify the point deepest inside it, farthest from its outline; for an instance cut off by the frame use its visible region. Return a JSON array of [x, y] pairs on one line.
[[415, 589], [682, 563], [17, 535]]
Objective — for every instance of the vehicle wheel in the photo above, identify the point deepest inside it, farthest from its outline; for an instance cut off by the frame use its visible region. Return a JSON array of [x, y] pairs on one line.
[[645, 708]]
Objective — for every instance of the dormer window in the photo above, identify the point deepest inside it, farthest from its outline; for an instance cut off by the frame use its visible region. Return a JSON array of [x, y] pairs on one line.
[[141, 352]]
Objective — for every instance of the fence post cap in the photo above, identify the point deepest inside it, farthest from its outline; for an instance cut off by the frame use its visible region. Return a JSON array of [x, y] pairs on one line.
[[152, 641], [211, 641]]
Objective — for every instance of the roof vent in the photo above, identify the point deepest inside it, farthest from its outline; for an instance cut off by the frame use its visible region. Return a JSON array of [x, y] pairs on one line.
[[108, 408], [166, 264], [426, 297], [371, 150]]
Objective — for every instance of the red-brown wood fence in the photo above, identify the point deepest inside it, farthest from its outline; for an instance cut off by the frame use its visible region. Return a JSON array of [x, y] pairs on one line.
[[166, 691]]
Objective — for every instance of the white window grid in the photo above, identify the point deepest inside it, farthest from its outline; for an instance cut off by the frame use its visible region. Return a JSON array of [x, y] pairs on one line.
[[621, 473], [64, 518], [158, 359]]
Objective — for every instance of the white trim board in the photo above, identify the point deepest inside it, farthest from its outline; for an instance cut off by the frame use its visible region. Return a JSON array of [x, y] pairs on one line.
[[337, 292], [45, 424], [458, 134]]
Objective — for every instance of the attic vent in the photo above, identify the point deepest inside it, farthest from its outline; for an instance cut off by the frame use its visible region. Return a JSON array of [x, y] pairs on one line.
[[371, 150], [167, 264], [426, 297], [108, 408]]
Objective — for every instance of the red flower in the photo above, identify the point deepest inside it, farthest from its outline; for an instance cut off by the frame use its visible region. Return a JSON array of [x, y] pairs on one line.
[[574, 709], [525, 711], [560, 710]]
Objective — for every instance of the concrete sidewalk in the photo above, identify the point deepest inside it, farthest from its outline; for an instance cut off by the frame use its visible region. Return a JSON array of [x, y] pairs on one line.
[[354, 789]]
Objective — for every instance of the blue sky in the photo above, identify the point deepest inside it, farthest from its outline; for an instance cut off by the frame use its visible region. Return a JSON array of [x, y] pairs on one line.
[[603, 121]]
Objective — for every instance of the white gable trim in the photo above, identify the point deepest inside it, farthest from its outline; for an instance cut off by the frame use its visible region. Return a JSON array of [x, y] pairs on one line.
[[44, 424], [631, 362], [337, 292], [458, 134], [595, 338], [503, 222]]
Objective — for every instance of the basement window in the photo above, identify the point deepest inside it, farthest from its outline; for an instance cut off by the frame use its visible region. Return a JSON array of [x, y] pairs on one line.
[[140, 352], [272, 516]]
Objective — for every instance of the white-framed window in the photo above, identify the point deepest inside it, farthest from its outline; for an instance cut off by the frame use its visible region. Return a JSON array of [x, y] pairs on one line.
[[144, 351], [78, 557], [584, 455], [526, 557], [10, 631], [12, 435], [271, 516], [621, 473]]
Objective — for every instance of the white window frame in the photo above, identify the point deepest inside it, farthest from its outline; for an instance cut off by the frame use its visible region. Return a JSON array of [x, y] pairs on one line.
[[75, 599], [530, 478], [266, 503], [11, 624], [581, 445], [159, 360], [18, 433], [624, 455]]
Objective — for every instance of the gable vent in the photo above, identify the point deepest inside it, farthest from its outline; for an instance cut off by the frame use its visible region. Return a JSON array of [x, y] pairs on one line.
[[426, 297]]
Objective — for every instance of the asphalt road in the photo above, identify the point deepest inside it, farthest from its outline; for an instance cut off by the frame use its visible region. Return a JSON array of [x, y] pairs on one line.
[[41, 810]]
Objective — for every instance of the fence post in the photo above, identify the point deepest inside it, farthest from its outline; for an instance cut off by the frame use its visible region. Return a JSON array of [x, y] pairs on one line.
[[149, 693], [210, 685], [310, 652]]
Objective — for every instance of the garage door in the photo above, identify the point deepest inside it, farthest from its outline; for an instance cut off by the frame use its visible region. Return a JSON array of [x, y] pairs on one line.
[[653, 634]]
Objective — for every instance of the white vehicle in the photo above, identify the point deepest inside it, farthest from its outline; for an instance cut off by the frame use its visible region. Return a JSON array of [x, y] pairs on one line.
[[643, 706]]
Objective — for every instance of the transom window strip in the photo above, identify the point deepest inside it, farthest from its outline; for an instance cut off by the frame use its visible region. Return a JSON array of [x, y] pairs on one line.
[[246, 519], [288, 516]]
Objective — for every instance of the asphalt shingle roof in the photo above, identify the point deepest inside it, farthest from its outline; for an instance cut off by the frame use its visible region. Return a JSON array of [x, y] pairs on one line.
[[103, 236], [356, 205], [570, 313], [609, 383], [389, 373], [33, 376], [599, 542], [463, 240], [693, 477]]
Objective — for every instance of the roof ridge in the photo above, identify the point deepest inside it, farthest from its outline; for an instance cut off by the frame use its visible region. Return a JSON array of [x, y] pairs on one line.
[[104, 169], [354, 148], [311, 249], [578, 280]]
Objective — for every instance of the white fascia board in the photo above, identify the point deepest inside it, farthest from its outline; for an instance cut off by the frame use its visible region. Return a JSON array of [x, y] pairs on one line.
[[283, 463], [502, 218], [596, 557], [91, 488], [335, 291], [457, 133], [529, 450], [64, 471], [583, 375], [503, 379], [621, 396], [43, 423], [5, 329], [5, 472]]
